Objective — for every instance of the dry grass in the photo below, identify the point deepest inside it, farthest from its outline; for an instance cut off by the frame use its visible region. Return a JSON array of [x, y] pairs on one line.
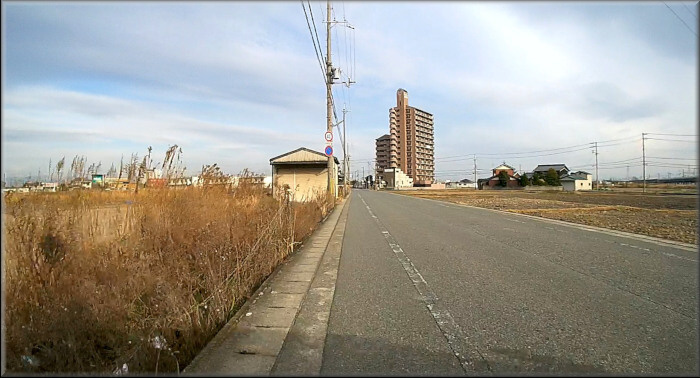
[[96, 280]]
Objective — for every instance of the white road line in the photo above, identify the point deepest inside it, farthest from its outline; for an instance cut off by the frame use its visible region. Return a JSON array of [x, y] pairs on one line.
[[668, 254], [456, 339], [676, 256]]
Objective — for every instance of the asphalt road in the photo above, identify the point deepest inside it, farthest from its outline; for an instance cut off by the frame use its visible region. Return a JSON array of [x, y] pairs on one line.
[[427, 287]]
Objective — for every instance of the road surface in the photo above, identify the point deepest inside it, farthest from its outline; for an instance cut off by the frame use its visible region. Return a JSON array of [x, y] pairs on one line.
[[427, 287]]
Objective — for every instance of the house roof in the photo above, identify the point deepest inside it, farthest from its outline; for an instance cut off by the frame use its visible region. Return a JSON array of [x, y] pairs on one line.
[[574, 176], [510, 178], [302, 155], [504, 165], [465, 181], [545, 167]]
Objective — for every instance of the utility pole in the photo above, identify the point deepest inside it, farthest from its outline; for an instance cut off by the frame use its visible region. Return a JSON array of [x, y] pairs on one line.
[[644, 166], [345, 154], [369, 169], [363, 177], [329, 94], [596, 164], [474, 169]]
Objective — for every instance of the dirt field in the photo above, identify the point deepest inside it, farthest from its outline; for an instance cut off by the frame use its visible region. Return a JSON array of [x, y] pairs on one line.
[[667, 216]]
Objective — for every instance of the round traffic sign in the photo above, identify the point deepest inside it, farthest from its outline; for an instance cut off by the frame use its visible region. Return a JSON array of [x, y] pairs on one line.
[[329, 151], [328, 136]]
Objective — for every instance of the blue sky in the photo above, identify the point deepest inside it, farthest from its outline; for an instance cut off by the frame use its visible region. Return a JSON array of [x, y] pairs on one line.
[[236, 83]]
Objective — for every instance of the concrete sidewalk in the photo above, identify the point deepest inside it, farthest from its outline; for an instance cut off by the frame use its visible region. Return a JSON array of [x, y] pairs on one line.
[[283, 325]]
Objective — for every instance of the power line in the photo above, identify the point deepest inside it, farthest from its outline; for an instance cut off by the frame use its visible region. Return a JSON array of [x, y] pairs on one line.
[[669, 158], [689, 11], [671, 165], [619, 144], [513, 153], [314, 41], [631, 139], [318, 40], [528, 154], [686, 25], [690, 135], [622, 166], [672, 140], [622, 161], [588, 145]]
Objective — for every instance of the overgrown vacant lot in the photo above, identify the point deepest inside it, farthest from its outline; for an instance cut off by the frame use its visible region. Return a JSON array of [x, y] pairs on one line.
[[672, 217], [101, 282]]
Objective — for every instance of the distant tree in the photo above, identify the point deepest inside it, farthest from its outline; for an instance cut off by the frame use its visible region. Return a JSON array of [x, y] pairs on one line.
[[552, 178], [524, 181], [537, 179], [503, 178]]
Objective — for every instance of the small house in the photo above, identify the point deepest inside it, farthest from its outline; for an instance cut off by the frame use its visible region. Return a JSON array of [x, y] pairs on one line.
[[494, 182], [577, 181], [303, 173]]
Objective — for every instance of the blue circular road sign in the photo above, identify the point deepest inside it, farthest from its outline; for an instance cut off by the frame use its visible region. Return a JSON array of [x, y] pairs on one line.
[[329, 150]]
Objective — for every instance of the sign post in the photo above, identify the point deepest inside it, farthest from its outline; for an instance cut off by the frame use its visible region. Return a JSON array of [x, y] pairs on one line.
[[328, 136]]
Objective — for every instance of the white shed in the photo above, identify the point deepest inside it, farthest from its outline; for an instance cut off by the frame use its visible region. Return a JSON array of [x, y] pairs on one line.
[[577, 181]]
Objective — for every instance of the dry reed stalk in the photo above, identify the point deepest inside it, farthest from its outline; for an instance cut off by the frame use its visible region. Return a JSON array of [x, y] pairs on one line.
[[88, 290]]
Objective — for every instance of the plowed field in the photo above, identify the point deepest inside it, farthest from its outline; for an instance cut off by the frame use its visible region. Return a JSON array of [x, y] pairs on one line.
[[672, 217]]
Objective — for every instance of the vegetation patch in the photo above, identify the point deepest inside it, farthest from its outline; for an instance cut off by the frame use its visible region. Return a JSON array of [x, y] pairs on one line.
[[116, 282]]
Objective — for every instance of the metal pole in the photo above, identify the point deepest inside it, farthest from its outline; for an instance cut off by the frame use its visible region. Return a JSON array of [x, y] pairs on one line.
[[369, 169], [345, 154], [644, 166], [474, 168], [329, 106], [597, 182]]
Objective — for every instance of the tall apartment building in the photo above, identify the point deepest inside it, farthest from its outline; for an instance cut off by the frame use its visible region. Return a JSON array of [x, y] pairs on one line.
[[386, 152], [409, 145]]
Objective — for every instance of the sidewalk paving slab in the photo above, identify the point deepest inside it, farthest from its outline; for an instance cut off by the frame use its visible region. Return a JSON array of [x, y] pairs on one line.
[[250, 342]]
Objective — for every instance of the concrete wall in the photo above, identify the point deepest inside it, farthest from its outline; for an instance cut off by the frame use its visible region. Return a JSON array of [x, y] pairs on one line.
[[396, 179], [456, 185], [544, 188]]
